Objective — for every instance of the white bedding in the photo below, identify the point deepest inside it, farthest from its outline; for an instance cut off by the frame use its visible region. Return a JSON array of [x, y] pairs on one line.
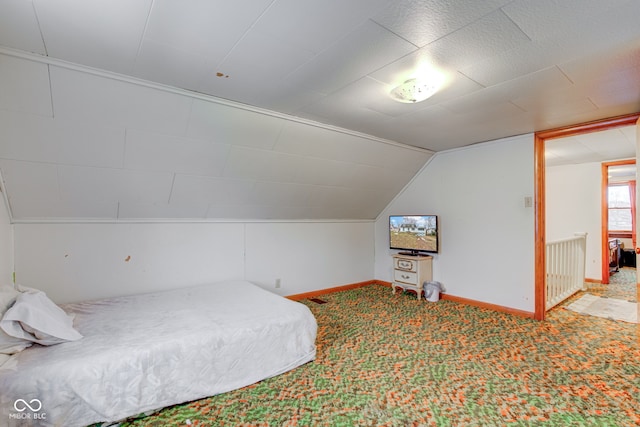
[[145, 352]]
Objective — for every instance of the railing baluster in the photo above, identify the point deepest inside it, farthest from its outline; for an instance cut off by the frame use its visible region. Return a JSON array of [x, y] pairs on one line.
[[565, 268]]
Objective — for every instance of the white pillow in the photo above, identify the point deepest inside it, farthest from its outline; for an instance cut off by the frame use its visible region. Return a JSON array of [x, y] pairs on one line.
[[8, 344], [34, 317], [8, 363], [8, 296], [26, 289], [11, 345]]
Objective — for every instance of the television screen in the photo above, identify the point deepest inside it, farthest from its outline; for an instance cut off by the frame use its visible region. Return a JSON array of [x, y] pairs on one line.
[[414, 233]]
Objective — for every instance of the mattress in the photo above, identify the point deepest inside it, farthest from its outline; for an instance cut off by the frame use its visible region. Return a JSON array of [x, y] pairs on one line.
[[145, 352]]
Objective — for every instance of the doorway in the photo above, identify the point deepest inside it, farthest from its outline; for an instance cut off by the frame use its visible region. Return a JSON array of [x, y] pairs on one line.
[[540, 199], [618, 213]]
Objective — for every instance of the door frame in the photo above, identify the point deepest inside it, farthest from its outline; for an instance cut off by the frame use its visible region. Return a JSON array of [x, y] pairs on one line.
[[539, 193], [605, 215]]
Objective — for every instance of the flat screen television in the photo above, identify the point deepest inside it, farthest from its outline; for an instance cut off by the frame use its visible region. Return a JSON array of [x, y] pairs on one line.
[[413, 234]]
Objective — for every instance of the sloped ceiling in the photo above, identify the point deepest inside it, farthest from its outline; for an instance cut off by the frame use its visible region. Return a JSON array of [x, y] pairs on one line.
[[279, 109]]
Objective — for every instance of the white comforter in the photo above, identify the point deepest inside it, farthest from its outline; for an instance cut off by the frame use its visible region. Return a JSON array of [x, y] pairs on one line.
[[149, 351]]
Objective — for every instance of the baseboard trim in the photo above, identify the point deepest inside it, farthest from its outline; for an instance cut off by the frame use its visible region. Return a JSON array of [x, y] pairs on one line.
[[313, 294], [453, 298], [481, 304], [597, 281], [494, 307]]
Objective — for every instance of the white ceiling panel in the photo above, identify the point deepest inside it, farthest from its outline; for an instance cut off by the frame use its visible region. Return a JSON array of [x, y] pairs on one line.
[[217, 191], [361, 203], [541, 86], [25, 137], [423, 127], [43, 139], [369, 177], [570, 148], [556, 104], [359, 116], [168, 65], [35, 194], [37, 180], [105, 185], [543, 19], [630, 132], [274, 58], [485, 38], [85, 97], [99, 34], [281, 193], [598, 141], [459, 106], [230, 108], [227, 125], [244, 163], [249, 212], [423, 22], [616, 153], [316, 24], [396, 179], [287, 97], [612, 92], [595, 67], [602, 33], [193, 210], [208, 28], [321, 196], [235, 212], [84, 145], [156, 152], [297, 138], [46, 208], [19, 26], [96, 33], [408, 161], [601, 146], [24, 86], [316, 171], [366, 49], [515, 63]]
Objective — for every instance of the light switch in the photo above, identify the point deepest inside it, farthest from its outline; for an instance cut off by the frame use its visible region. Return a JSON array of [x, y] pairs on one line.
[[528, 202]]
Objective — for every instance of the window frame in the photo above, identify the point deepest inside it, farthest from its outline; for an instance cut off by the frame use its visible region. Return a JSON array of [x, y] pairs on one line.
[[631, 185]]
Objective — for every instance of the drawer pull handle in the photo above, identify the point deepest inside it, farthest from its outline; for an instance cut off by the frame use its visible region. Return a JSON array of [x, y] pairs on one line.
[[405, 277]]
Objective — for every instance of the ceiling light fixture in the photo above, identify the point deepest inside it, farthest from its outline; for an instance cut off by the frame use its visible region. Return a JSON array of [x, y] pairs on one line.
[[414, 90]]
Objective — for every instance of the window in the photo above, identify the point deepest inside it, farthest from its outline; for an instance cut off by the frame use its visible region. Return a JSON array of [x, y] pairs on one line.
[[621, 211]]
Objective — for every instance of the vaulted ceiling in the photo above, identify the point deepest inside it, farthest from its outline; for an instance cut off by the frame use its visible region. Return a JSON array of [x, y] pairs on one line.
[[279, 109]]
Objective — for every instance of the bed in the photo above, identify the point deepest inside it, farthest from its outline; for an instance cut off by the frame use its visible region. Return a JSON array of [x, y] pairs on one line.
[[144, 352]]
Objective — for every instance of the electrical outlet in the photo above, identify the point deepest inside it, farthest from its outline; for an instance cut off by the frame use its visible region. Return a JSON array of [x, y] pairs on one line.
[[277, 283]]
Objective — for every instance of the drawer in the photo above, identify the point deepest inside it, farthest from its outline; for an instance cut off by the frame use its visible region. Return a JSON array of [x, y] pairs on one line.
[[406, 264], [405, 277]]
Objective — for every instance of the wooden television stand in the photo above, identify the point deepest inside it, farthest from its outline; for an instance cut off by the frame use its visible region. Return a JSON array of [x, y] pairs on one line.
[[411, 271]]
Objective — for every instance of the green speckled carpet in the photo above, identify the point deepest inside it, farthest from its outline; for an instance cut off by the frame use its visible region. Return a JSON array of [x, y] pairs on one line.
[[622, 285], [387, 360]]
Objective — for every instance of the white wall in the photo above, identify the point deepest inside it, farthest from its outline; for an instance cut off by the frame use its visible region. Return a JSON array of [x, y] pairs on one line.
[[6, 246], [73, 262], [486, 232], [573, 205]]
